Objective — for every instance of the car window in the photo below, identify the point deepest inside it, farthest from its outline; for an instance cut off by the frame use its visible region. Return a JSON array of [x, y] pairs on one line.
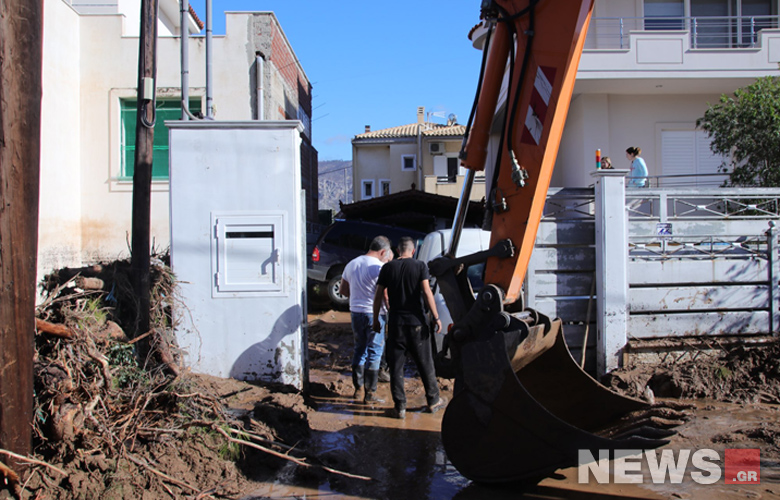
[[476, 274]]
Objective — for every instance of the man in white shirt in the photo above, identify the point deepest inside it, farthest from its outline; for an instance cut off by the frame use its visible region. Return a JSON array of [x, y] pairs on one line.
[[358, 282]]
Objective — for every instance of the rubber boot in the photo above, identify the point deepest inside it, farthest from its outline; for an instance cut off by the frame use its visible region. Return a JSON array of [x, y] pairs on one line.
[[372, 377], [357, 379], [384, 374], [384, 370]]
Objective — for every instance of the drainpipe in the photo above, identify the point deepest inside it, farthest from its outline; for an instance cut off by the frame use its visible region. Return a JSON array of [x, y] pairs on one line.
[[209, 99], [185, 57], [420, 185], [259, 96]]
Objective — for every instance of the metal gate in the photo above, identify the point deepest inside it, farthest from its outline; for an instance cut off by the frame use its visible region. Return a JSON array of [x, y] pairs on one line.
[[701, 263]]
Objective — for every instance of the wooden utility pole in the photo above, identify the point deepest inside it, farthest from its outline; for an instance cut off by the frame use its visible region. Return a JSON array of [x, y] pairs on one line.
[[142, 174], [21, 55]]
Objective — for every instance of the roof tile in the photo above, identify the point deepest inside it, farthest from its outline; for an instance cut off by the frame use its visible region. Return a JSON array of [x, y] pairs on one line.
[[430, 129]]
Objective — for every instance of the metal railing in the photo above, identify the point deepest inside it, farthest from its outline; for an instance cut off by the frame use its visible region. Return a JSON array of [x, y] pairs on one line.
[[703, 204], [706, 32], [569, 203], [685, 180], [699, 247]]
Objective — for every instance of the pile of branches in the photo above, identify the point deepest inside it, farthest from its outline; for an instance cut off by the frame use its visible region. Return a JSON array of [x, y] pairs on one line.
[[100, 408]]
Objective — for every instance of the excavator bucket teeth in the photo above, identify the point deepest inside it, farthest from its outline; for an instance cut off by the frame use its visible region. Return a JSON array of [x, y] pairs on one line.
[[505, 425]]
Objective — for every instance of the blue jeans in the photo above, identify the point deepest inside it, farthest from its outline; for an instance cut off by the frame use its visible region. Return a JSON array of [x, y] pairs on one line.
[[368, 343]]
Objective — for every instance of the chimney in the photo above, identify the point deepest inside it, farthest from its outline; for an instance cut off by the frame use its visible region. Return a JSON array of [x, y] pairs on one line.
[[421, 115], [368, 128]]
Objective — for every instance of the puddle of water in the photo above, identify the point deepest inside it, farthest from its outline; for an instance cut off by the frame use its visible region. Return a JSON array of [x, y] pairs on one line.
[[405, 459]]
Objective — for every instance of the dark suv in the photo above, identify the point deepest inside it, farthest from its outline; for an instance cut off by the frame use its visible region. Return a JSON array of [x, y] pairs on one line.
[[339, 243]]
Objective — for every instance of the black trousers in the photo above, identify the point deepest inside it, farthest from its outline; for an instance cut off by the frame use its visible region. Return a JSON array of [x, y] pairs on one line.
[[403, 340]]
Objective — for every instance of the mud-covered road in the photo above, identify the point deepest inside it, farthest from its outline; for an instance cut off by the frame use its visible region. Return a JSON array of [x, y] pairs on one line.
[[405, 459]]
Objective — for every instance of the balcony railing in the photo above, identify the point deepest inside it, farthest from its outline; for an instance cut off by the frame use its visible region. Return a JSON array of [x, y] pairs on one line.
[[706, 32]]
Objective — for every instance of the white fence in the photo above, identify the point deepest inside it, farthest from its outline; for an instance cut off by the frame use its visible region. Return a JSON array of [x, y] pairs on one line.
[[655, 263]]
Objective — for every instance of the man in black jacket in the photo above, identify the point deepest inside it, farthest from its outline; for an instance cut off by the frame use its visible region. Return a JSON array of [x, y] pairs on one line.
[[407, 283]]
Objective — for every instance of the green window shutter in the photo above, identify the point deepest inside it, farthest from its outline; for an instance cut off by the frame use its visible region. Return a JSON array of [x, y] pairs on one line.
[[166, 110], [128, 137]]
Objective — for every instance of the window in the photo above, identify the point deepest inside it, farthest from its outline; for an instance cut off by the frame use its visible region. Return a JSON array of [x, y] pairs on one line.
[[664, 14], [447, 168], [384, 187], [730, 23], [408, 163], [368, 190], [166, 110]]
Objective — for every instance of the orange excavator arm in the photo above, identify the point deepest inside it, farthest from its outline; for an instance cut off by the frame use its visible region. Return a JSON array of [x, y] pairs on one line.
[[522, 407], [548, 40]]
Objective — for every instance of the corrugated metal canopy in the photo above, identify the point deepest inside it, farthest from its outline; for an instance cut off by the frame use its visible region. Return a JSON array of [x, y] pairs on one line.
[[412, 209]]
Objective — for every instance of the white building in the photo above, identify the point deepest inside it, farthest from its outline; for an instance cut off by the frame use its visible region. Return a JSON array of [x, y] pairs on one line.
[[90, 70], [650, 69]]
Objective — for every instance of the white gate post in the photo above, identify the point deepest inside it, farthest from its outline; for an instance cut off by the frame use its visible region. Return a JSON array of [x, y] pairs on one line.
[[611, 267]]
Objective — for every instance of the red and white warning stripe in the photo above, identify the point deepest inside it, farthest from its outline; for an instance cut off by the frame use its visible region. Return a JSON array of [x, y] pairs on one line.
[[540, 102]]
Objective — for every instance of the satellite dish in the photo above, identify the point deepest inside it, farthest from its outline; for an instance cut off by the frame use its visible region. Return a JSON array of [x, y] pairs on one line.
[[452, 119]]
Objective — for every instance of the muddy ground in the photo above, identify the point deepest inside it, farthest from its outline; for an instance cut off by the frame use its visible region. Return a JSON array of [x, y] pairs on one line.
[[327, 445]]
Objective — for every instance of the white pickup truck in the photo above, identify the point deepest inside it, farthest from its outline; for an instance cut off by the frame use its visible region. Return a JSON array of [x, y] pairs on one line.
[[434, 245]]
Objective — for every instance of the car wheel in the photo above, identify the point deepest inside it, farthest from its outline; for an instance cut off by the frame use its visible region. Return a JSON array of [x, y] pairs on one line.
[[334, 293]]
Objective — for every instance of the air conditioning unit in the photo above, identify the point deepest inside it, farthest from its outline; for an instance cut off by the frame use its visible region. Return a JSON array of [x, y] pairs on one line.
[[436, 148]]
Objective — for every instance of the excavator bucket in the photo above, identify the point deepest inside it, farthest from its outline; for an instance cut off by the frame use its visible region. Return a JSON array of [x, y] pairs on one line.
[[523, 410]]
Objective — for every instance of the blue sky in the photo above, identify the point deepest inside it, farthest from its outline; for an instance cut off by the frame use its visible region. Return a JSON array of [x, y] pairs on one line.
[[373, 63]]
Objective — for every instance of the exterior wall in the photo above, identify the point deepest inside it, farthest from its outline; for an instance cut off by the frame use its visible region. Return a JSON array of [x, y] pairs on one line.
[[401, 180], [168, 14], [612, 123], [383, 162], [108, 74], [89, 65], [287, 91], [59, 236]]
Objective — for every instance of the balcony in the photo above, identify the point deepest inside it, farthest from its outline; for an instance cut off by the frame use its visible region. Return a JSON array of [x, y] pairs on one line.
[[727, 32], [682, 55]]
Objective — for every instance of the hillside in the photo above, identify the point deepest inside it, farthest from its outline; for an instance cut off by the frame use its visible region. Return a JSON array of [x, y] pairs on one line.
[[335, 183]]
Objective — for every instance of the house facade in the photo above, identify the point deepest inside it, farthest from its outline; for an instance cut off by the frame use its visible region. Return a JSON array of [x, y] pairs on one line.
[[90, 71], [421, 155], [649, 70]]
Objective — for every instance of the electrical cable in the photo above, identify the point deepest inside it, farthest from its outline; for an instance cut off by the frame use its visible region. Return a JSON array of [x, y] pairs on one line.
[[146, 123]]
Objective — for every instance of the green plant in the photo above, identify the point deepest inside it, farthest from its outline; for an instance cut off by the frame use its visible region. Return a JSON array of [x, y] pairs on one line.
[[723, 372], [229, 451], [745, 129], [125, 368]]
